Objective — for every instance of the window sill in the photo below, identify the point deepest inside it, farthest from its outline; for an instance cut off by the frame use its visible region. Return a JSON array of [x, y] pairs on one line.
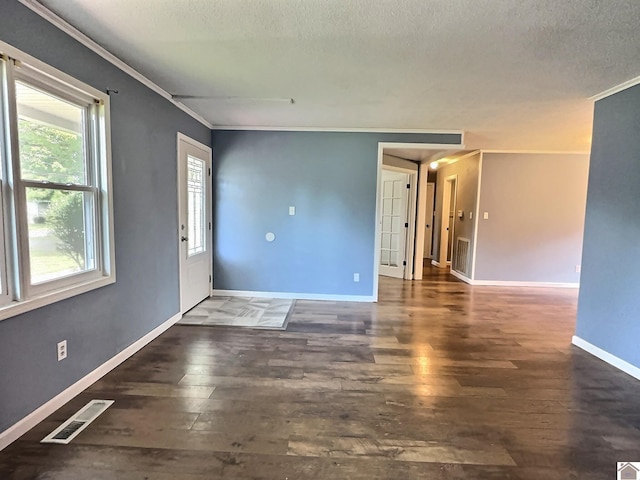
[[16, 308]]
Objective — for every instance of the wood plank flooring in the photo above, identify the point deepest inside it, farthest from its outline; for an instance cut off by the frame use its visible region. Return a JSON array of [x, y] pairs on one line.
[[439, 380]]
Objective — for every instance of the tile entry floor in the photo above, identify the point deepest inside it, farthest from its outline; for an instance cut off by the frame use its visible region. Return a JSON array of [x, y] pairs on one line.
[[260, 313]]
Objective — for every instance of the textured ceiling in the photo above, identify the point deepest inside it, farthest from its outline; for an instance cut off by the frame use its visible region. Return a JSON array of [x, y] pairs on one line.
[[511, 73]]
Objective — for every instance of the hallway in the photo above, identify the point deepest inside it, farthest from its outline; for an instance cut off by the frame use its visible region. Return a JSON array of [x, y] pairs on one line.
[[439, 380]]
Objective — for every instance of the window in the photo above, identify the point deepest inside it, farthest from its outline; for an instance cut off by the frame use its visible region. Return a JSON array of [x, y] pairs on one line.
[[196, 209], [56, 235]]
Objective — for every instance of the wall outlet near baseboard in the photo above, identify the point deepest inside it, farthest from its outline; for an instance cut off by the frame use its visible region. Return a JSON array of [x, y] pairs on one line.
[[578, 268], [62, 350], [356, 277]]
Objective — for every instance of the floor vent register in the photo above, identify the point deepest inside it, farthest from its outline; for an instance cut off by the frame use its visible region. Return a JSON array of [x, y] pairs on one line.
[[78, 422]]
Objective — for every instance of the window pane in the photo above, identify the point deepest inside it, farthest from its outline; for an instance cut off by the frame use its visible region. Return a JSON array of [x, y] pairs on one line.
[[386, 206], [196, 220], [61, 233], [51, 137], [386, 223], [386, 240], [393, 259]]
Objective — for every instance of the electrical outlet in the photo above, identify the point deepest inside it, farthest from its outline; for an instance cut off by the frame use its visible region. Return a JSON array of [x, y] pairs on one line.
[[62, 350], [292, 210], [578, 268], [356, 277]]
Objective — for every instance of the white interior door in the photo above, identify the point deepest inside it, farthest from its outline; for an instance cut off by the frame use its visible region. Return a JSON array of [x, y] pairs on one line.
[[393, 223], [428, 226], [194, 227]]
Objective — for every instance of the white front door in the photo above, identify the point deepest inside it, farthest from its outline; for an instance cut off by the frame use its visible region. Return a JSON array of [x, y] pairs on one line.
[[393, 223], [194, 221]]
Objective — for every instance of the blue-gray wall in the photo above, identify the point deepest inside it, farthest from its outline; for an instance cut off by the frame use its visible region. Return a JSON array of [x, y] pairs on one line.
[[609, 301], [331, 180], [101, 323]]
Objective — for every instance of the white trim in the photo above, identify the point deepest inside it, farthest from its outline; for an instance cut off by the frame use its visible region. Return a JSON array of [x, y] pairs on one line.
[[466, 155], [436, 263], [607, 357], [508, 283], [294, 296], [421, 215], [542, 152], [21, 427], [476, 220], [337, 129], [195, 143], [377, 241], [410, 242], [16, 308], [76, 34], [459, 276], [618, 88], [420, 146]]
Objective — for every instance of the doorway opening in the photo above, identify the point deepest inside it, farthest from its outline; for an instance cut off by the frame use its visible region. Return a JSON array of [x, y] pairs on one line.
[[447, 233], [419, 155], [430, 201]]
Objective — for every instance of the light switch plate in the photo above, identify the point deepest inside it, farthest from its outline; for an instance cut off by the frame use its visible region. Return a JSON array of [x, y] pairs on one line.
[[292, 210]]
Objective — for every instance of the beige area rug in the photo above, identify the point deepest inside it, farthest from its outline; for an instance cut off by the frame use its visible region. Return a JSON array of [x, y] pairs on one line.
[[261, 313]]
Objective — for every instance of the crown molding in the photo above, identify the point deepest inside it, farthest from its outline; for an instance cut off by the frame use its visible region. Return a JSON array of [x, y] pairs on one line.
[[545, 152], [92, 45], [618, 88], [336, 129]]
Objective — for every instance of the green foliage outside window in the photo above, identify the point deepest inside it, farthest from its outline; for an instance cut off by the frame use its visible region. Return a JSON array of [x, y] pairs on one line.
[[56, 155]]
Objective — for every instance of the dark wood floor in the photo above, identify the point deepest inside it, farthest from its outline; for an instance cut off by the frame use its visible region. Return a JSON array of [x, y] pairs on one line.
[[439, 380]]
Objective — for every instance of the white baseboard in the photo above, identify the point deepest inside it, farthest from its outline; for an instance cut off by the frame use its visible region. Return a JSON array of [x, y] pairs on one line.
[[436, 263], [461, 277], [500, 283], [14, 432], [295, 296], [605, 356]]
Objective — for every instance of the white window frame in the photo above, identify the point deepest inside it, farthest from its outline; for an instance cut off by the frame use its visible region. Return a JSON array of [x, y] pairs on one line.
[[19, 294]]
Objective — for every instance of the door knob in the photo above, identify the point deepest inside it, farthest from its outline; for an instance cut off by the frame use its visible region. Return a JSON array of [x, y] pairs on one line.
[[183, 239]]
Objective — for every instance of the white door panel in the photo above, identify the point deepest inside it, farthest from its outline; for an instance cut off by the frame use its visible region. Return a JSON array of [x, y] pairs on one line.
[[194, 202], [393, 221]]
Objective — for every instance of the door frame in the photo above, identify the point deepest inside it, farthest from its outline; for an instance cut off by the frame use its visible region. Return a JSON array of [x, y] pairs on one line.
[[450, 182], [209, 203], [430, 199], [421, 217], [377, 231]]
